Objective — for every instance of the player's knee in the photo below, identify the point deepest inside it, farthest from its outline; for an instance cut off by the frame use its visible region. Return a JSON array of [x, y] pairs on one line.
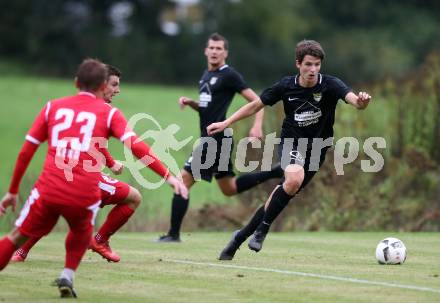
[[229, 191], [292, 185], [228, 186], [187, 179], [135, 198]]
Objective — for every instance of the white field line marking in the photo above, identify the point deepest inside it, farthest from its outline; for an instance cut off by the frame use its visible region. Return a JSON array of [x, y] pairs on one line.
[[303, 274]]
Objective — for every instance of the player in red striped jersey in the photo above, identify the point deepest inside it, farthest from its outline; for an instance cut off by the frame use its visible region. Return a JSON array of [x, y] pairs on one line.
[[125, 197], [68, 184]]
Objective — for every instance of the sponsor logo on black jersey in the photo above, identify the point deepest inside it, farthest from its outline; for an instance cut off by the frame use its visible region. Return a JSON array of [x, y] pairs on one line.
[[317, 96], [205, 95], [307, 114], [213, 80]]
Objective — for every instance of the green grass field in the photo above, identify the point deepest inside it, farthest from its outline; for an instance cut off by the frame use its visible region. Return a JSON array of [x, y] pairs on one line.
[[282, 272]]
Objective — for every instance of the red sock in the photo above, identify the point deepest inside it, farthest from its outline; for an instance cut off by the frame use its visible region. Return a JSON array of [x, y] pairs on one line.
[[77, 243], [7, 249], [27, 246], [117, 217]]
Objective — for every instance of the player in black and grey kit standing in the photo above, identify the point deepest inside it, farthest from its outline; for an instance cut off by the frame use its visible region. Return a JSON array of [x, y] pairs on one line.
[[217, 87], [309, 100]]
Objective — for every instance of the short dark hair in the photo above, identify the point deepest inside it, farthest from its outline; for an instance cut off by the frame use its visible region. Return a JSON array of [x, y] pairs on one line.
[[91, 74], [218, 37], [309, 47], [113, 71]]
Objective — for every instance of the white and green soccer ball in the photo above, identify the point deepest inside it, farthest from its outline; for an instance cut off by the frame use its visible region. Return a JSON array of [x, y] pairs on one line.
[[391, 251]]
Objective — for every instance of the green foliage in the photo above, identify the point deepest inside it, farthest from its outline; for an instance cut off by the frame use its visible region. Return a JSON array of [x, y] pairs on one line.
[[366, 41]]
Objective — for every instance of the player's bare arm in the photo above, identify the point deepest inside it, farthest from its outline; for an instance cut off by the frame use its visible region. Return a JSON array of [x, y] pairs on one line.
[[244, 112], [257, 129], [185, 101], [360, 101]]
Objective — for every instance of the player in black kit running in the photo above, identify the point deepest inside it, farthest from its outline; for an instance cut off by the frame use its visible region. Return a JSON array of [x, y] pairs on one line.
[[309, 100], [217, 87]]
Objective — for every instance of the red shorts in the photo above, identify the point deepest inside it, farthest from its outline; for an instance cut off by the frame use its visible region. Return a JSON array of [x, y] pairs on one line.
[[112, 191], [39, 216]]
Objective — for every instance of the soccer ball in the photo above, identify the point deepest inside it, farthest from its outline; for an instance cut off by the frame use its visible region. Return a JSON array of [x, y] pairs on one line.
[[391, 251]]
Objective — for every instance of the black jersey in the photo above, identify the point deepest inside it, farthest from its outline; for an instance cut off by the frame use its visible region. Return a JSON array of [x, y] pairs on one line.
[[310, 111], [217, 89]]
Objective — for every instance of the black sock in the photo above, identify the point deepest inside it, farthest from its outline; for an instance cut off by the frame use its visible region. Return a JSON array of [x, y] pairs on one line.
[[178, 211], [279, 201], [249, 229], [247, 181]]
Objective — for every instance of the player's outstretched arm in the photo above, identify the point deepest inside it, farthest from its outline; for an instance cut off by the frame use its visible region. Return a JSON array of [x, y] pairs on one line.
[[244, 112], [360, 101], [185, 101], [24, 158], [35, 136], [144, 153], [256, 130], [120, 130]]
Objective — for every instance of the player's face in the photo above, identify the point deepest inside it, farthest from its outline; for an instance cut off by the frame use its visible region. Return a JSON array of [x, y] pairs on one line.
[[112, 88], [216, 53], [309, 69]]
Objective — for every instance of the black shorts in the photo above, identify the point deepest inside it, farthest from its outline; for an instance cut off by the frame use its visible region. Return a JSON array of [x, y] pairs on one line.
[[310, 160], [221, 162]]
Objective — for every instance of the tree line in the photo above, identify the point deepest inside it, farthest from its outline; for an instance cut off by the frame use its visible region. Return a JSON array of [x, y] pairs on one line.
[[162, 41]]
